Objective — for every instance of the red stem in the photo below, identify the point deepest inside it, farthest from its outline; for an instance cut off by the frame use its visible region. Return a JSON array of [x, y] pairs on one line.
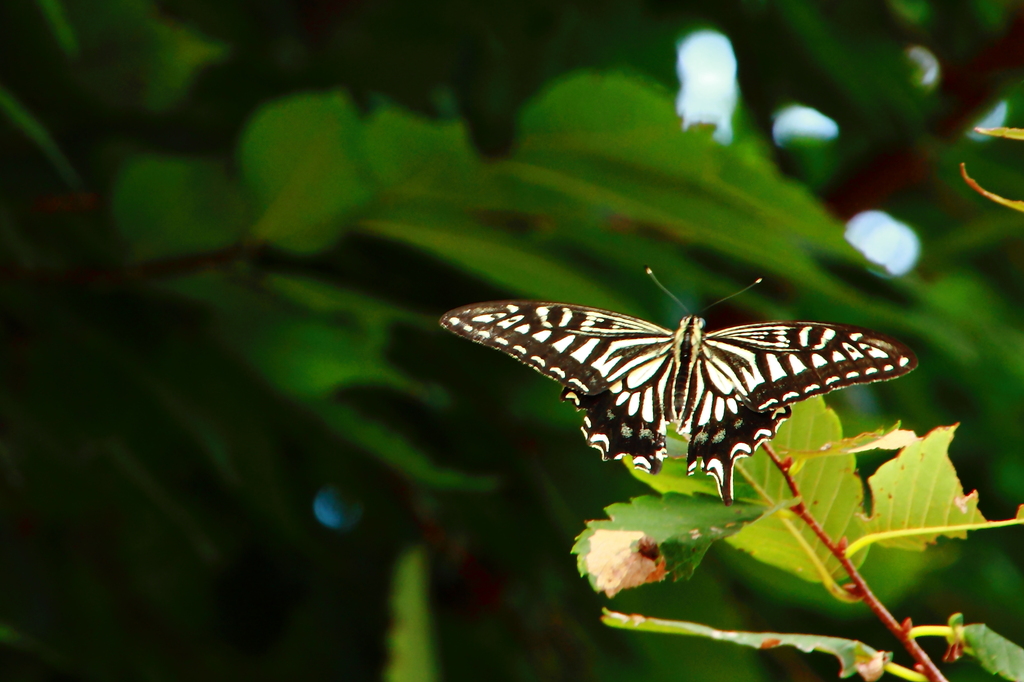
[[860, 588]]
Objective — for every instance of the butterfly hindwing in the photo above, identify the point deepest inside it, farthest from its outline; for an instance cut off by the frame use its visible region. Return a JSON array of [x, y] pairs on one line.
[[719, 442], [584, 349], [610, 427]]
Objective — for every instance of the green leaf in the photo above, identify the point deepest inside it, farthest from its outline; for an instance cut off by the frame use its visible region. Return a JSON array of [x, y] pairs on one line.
[[854, 657], [495, 257], [135, 56], [412, 653], [612, 142], [391, 448], [917, 497], [651, 537], [23, 119], [892, 438], [167, 206], [415, 156], [829, 486], [304, 351], [63, 32], [994, 653], [303, 159]]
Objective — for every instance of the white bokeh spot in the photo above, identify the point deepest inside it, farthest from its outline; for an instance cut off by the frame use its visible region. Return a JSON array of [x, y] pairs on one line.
[[926, 66], [797, 122], [706, 66], [884, 240]]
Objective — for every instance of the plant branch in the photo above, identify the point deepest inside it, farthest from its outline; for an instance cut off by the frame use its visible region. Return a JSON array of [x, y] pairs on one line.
[[153, 269], [860, 588]]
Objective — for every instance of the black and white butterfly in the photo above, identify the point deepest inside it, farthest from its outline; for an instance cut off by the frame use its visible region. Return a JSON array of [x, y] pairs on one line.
[[727, 390]]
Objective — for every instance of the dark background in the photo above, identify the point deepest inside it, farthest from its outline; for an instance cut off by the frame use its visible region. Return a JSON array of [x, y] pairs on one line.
[[227, 231]]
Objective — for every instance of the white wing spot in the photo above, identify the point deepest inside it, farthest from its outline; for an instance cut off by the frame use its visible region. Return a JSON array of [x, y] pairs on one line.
[[515, 319], [804, 337], [467, 327], [584, 351], [562, 344], [499, 339], [512, 308], [871, 370], [888, 368], [768, 403], [795, 363], [838, 357], [774, 368], [487, 318], [566, 316], [538, 359], [762, 433], [874, 352], [644, 372], [543, 311], [648, 409], [852, 352], [558, 371], [818, 361], [483, 333], [522, 329], [904, 361], [455, 321], [542, 335], [705, 412], [731, 404], [831, 380], [576, 382], [790, 395], [811, 387], [852, 375], [719, 409], [616, 387], [828, 335], [519, 349], [856, 336], [740, 447], [623, 397], [634, 404]]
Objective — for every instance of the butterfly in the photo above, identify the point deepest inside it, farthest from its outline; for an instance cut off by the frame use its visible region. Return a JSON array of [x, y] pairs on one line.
[[727, 390]]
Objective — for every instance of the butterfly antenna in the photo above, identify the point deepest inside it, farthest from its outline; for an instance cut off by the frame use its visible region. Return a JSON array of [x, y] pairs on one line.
[[722, 300], [650, 273]]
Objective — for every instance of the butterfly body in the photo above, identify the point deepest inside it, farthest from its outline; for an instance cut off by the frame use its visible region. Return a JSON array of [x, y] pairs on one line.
[[727, 390]]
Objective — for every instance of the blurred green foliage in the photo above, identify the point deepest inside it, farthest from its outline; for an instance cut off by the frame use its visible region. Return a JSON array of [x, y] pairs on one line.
[[227, 231]]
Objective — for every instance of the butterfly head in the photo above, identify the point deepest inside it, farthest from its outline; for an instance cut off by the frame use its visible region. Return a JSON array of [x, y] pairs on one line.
[[690, 332]]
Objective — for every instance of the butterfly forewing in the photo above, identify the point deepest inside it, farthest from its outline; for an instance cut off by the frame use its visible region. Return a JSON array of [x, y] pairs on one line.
[[783, 363], [585, 349]]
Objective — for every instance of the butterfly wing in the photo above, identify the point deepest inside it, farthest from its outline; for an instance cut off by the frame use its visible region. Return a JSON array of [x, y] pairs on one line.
[[778, 364], [615, 367], [585, 349]]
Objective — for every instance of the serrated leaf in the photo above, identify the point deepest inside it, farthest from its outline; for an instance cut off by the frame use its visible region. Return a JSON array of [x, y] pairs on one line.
[[303, 159], [830, 489], [671, 531], [917, 497], [994, 653], [892, 438], [854, 657]]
